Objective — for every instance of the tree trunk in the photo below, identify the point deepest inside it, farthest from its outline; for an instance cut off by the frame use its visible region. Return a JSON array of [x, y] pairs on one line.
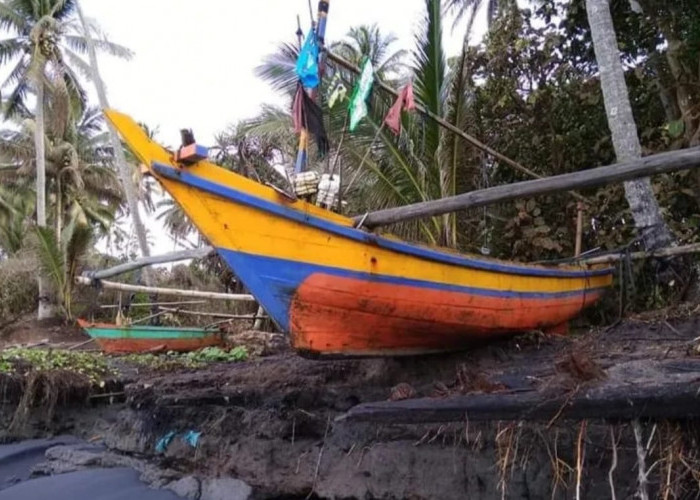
[[122, 166], [639, 194], [59, 208], [45, 310]]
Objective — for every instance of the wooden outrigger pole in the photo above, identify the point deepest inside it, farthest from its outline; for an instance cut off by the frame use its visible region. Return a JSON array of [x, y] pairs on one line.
[[240, 297], [197, 253], [341, 61], [643, 167]]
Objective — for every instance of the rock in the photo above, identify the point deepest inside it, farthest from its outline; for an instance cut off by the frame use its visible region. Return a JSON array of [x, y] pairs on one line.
[[259, 343], [187, 487], [225, 488], [76, 455]]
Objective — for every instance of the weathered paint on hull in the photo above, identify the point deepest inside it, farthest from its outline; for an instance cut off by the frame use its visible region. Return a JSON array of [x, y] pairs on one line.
[[334, 312], [344, 316], [127, 345], [338, 290], [132, 339]]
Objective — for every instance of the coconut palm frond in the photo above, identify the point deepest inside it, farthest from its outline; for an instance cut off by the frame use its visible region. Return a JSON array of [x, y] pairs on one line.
[[279, 69], [78, 44], [51, 258], [429, 65], [75, 245], [11, 20]]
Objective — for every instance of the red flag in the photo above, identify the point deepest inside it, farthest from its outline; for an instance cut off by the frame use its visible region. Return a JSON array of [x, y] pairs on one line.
[[404, 101]]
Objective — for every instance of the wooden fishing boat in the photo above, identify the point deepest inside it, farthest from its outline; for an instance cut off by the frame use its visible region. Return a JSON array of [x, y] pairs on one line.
[[341, 291], [141, 338]]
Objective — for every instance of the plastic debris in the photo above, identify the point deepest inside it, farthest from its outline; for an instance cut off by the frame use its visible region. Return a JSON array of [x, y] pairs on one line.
[[191, 438], [163, 442]]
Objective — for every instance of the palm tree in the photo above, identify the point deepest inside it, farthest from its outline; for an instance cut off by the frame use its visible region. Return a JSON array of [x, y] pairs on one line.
[[470, 8], [369, 41], [80, 180], [45, 48], [381, 171], [640, 196], [120, 157], [16, 209]]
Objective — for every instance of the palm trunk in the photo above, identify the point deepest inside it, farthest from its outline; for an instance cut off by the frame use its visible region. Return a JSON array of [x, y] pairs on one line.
[[59, 208], [45, 309], [122, 166], [639, 194]]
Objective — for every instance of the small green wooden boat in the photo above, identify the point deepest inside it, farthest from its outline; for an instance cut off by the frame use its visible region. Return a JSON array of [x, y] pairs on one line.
[[140, 338]]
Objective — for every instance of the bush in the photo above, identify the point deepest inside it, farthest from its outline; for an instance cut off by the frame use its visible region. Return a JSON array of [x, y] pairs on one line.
[[18, 288]]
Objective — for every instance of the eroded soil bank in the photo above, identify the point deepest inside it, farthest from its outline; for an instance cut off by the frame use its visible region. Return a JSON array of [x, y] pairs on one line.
[[276, 423]]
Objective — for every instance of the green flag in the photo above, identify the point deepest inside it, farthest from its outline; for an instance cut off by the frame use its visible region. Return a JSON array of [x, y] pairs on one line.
[[358, 101]]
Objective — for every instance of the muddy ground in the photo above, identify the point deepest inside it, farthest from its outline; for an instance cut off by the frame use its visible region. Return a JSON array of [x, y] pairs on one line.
[[284, 424]]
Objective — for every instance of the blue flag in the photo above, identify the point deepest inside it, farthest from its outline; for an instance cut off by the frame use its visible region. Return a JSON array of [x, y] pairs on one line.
[[307, 63]]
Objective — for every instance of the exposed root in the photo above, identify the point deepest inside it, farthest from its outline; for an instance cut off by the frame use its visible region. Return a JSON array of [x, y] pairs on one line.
[[48, 389], [642, 489], [506, 454], [580, 457], [613, 465]]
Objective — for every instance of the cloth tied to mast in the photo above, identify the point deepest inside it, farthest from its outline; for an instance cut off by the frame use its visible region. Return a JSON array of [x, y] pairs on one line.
[[358, 101], [306, 114], [307, 62], [404, 101]]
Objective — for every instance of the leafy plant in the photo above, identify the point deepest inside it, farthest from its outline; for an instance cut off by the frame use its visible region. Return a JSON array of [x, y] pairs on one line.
[[60, 259], [94, 366]]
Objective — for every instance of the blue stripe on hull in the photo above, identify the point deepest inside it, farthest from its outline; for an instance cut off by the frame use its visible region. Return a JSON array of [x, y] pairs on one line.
[[273, 282], [187, 178]]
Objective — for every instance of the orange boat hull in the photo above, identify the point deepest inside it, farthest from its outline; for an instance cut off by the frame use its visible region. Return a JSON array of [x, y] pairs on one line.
[[342, 316]]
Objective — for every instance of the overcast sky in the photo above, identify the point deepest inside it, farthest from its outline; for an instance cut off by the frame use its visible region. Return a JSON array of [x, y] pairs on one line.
[[194, 62]]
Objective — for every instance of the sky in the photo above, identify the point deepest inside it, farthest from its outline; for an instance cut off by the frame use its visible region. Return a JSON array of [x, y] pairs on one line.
[[194, 62]]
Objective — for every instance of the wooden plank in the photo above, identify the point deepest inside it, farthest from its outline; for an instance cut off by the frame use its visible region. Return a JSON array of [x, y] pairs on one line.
[[197, 253], [643, 167], [623, 401], [82, 280]]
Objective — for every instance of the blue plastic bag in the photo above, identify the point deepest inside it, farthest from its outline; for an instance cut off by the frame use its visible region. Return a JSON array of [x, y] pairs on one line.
[[307, 63]]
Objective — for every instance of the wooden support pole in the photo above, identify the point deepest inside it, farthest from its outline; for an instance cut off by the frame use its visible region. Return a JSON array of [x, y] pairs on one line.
[[197, 253], [214, 315], [663, 252], [643, 167], [81, 280], [155, 304], [579, 229], [341, 61]]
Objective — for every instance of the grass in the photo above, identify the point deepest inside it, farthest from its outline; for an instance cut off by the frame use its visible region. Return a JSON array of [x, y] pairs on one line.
[[21, 361]]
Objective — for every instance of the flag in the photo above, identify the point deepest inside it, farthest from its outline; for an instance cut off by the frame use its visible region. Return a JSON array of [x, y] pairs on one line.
[[358, 101], [336, 91], [307, 62], [306, 114], [404, 101]]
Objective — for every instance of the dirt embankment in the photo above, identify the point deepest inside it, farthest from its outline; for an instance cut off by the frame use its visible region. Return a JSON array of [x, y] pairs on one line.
[[274, 422]]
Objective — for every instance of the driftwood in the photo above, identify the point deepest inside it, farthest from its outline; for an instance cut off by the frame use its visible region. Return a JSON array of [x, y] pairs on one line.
[[241, 297], [671, 392], [635, 169], [197, 253]]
